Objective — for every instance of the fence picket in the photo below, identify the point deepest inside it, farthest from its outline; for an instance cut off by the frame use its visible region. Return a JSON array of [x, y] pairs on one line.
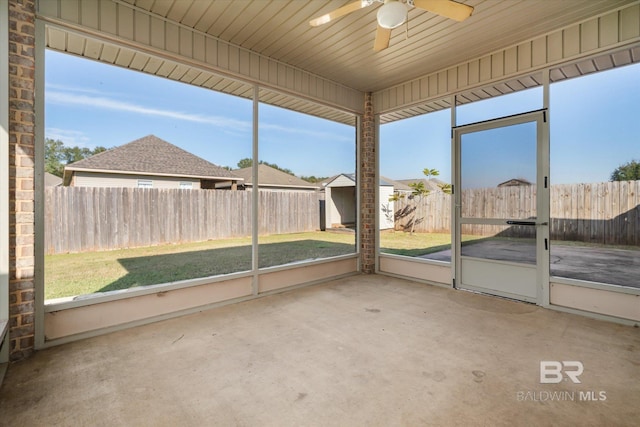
[[606, 213], [79, 219]]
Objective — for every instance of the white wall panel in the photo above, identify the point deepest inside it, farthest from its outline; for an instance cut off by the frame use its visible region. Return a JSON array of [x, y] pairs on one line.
[[510, 60], [414, 269], [600, 301], [108, 16], [83, 179], [539, 52], [98, 318], [89, 12], [629, 23]]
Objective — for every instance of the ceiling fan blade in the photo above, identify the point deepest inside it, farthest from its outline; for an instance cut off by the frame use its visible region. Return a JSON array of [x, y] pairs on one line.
[[447, 8], [382, 39], [341, 11]]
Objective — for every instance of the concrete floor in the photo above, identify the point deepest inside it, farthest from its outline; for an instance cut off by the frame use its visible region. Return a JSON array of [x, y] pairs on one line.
[[361, 351]]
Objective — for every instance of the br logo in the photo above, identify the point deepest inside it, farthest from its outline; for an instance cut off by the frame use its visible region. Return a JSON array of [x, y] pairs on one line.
[[553, 372]]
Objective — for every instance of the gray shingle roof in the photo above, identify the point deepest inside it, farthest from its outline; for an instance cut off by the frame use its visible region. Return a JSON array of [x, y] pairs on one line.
[[272, 177], [152, 155], [51, 180]]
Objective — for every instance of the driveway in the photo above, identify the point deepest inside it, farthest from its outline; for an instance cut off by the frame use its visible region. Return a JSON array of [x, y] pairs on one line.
[[614, 266]]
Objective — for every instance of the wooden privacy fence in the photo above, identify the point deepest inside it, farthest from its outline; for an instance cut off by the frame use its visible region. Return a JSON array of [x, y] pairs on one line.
[[80, 219], [606, 212]]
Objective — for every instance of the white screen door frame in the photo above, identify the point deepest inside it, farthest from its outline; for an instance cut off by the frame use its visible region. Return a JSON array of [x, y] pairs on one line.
[[516, 268]]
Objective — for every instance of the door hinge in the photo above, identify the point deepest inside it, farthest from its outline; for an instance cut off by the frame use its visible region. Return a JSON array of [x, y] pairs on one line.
[[544, 116], [546, 244], [452, 189], [546, 181]]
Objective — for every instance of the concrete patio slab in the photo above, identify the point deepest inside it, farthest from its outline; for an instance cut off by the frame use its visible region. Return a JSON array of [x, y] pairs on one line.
[[605, 265], [362, 351]]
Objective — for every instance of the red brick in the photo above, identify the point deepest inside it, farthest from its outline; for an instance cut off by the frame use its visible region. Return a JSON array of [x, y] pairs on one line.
[[27, 296], [17, 309], [20, 285], [26, 342]]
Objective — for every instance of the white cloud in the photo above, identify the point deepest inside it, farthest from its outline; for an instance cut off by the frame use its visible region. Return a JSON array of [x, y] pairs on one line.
[[53, 87], [67, 98], [76, 96], [68, 136], [306, 132]]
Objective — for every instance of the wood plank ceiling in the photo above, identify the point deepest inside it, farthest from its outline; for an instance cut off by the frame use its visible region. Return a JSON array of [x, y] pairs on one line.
[[342, 50]]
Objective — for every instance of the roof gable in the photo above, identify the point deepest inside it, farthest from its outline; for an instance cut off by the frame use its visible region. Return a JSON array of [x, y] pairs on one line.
[[515, 182], [151, 155], [350, 179], [269, 176]]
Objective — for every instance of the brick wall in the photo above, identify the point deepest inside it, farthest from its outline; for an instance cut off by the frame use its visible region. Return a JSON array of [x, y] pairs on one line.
[[367, 188], [21, 177]]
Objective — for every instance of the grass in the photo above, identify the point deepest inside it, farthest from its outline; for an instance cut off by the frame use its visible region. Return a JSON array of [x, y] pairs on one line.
[[89, 272], [86, 273], [69, 275], [417, 244]]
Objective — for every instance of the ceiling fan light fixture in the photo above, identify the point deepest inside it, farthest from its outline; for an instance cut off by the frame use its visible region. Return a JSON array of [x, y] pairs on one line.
[[392, 14]]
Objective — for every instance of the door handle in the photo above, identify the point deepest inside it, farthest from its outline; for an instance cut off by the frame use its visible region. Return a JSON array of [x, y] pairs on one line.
[[530, 223], [521, 222]]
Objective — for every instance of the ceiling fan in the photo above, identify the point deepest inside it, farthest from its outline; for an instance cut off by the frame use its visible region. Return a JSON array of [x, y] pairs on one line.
[[393, 13]]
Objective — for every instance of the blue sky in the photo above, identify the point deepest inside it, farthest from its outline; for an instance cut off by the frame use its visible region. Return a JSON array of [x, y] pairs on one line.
[[594, 129], [594, 126], [91, 104]]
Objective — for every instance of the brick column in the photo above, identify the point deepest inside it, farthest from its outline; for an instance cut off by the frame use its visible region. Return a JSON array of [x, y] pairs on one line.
[[21, 177], [368, 188]]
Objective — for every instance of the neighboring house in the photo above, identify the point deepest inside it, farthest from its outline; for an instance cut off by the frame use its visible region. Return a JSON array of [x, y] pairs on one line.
[[148, 162], [515, 182], [340, 200], [50, 180], [273, 179]]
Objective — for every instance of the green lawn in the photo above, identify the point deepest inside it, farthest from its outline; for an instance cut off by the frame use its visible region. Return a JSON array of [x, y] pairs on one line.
[[90, 272], [85, 273]]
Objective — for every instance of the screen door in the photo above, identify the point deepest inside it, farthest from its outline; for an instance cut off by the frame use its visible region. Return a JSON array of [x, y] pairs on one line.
[[501, 215]]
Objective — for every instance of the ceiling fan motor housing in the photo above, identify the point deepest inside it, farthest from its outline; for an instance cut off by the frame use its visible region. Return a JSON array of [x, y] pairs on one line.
[[392, 14]]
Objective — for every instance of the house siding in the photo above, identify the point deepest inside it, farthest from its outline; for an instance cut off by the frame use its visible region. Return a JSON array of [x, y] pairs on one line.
[[89, 179], [340, 206], [342, 181]]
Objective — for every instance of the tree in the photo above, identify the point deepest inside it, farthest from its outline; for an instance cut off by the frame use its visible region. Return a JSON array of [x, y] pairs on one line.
[[57, 155], [53, 156], [313, 179], [629, 171], [247, 163], [419, 191]]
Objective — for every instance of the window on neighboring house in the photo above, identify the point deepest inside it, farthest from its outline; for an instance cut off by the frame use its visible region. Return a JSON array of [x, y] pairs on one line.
[[145, 183], [186, 185]]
